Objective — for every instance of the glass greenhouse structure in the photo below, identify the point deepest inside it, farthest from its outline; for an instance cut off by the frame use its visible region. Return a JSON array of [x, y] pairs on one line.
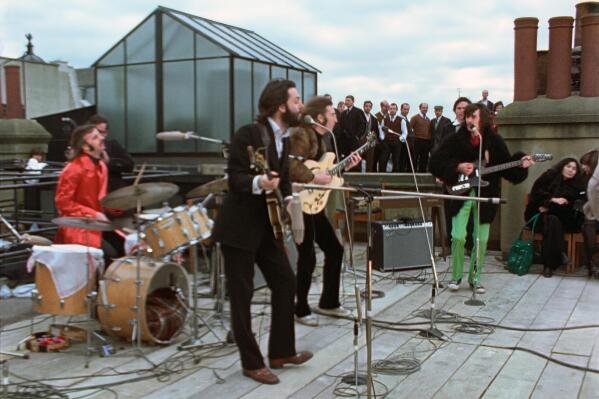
[[176, 71]]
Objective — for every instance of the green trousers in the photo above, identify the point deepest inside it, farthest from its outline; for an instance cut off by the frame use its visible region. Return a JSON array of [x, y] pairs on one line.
[[458, 241]]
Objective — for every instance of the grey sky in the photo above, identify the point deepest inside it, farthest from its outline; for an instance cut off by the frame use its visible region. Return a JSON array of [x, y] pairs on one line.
[[404, 51]]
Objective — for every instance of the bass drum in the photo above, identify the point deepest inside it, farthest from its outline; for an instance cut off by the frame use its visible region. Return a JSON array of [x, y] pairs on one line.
[[164, 299]]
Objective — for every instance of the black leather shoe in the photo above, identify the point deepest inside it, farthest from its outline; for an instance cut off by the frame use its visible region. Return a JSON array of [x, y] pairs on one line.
[[547, 271]]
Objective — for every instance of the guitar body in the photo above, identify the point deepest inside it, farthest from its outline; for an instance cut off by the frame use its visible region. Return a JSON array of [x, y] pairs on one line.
[[274, 214], [465, 184], [314, 201]]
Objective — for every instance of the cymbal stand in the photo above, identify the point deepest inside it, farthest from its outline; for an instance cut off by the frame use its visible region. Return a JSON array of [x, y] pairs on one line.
[[195, 341]]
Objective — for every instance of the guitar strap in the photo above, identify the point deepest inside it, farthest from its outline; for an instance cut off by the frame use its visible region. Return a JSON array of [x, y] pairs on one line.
[[265, 137]]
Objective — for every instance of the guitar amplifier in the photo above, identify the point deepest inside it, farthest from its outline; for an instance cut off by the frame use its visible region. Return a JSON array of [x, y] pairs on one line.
[[401, 245]]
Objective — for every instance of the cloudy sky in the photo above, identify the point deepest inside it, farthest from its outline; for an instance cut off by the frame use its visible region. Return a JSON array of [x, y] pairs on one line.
[[404, 51]]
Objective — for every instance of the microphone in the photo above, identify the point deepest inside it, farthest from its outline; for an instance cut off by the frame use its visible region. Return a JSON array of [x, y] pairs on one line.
[[66, 119], [35, 240], [173, 136], [297, 187]]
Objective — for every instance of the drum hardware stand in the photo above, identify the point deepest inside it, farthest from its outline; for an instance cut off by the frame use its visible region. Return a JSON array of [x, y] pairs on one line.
[[195, 341]]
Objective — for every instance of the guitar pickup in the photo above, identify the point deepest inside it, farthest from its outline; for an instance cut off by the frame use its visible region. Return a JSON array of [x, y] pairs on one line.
[[460, 187]]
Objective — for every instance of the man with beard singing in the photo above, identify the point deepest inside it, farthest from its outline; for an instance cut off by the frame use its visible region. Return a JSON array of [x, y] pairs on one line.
[[245, 232]]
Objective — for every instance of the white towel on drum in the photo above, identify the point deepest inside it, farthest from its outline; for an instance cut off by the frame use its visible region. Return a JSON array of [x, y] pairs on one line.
[[67, 264]]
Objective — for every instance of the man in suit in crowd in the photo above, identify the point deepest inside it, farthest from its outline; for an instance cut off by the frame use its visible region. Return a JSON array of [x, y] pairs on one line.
[[407, 138], [336, 129], [422, 138], [391, 142], [378, 150], [352, 124], [371, 125], [438, 124], [485, 101], [245, 232]]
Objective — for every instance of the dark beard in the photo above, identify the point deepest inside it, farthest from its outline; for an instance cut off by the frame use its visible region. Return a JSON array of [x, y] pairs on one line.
[[290, 119]]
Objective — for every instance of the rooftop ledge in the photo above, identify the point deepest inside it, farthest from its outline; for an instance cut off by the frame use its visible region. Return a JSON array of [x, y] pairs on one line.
[[542, 110]]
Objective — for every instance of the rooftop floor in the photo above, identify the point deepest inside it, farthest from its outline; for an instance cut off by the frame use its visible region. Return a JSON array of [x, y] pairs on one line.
[[465, 365]]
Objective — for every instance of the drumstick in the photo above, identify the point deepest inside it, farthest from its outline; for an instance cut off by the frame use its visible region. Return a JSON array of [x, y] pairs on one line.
[[141, 172]]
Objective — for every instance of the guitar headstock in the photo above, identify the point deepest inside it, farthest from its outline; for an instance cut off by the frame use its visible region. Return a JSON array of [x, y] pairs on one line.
[[542, 157]]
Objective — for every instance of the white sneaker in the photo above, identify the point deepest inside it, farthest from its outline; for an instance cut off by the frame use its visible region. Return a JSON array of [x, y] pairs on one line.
[[454, 285], [308, 320], [335, 312]]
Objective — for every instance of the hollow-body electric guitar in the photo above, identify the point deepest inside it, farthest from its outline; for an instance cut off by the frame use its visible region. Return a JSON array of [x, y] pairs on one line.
[[314, 201]]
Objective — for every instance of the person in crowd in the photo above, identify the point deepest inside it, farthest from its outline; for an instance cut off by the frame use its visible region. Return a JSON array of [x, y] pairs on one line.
[[590, 227], [307, 142], [438, 124], [353, 126], [34, 165], [421, 124], [485, 100], [371, 125], [407, 140], [244, 229], [380, 144], [457, 155], [553, 195], [391, 147]]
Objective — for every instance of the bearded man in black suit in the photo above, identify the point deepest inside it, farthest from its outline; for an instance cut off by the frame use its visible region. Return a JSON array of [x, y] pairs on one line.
[[244, 230]]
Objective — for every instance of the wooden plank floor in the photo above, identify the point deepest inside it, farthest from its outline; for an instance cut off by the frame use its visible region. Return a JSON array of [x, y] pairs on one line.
[[463, 366]]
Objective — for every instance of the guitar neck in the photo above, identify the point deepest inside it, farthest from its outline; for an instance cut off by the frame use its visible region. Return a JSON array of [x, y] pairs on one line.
[[500, 167], [337, 168]]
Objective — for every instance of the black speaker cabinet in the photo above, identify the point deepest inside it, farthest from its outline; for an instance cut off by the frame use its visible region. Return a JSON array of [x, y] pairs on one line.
[[401, 245]]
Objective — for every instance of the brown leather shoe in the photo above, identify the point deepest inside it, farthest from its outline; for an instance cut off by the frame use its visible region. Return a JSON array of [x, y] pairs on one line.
[[298, 358], [263, 375]]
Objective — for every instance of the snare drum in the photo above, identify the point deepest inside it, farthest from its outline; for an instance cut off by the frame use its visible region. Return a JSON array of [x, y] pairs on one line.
[[164, 299], [170, 232]]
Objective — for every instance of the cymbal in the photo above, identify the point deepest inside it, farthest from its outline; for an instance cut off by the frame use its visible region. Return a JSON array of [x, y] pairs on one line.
[[84, 223], [212, 187], [146, 193]]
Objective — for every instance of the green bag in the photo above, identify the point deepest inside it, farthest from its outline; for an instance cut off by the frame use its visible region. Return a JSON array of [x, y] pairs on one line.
[[522, 251]]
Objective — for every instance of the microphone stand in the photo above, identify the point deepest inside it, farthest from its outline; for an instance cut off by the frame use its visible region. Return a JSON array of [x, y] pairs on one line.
[[369, 198]]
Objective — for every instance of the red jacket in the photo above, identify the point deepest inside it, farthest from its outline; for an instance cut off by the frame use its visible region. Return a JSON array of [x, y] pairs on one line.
[[81, 186]]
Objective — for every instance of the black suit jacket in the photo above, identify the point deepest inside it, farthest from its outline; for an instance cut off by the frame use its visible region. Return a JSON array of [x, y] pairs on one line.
[[120, 162], [243, 218], [353, 124], [438, 133]]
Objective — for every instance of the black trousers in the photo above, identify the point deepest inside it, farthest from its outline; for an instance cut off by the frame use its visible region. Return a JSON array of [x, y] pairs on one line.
[[422, 149], [404, 166], [239, 271], [390, 149], [552, 245], [318, 230]]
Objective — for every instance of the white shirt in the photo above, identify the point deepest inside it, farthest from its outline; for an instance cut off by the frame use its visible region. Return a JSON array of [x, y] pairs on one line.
[[279, 136], [34, 164], [404, 128]]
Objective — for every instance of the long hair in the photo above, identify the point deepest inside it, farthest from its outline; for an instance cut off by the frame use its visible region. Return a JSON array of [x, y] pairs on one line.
[[590, 159], [555, 174], [484, 115], [77, 138], [275, 93]]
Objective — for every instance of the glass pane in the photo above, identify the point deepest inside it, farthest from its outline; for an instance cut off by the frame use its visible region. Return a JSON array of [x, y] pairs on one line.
[[243, 93], [115, 57], [141, 108], [260, 80], [296, 77], [111, 100], [278, 72], [205, 48], [291, 59], [141, 45], [213, 104], [309, 85], [177, 39], [179, 103]]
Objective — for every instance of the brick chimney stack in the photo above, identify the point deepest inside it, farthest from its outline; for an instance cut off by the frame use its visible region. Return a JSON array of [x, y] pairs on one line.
[[560, 57], [14, 105], [525, 58], [589, 59]]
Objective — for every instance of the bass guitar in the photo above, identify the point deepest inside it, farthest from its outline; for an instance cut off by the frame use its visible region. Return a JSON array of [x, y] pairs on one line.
[[314, 201], [465, 183], [278, 216]]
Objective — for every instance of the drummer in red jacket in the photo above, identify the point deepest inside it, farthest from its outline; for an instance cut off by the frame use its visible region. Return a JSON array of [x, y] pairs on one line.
[[81, 186]]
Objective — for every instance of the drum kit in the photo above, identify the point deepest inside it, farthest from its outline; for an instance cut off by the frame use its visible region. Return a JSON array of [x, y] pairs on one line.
[[144, 296]]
